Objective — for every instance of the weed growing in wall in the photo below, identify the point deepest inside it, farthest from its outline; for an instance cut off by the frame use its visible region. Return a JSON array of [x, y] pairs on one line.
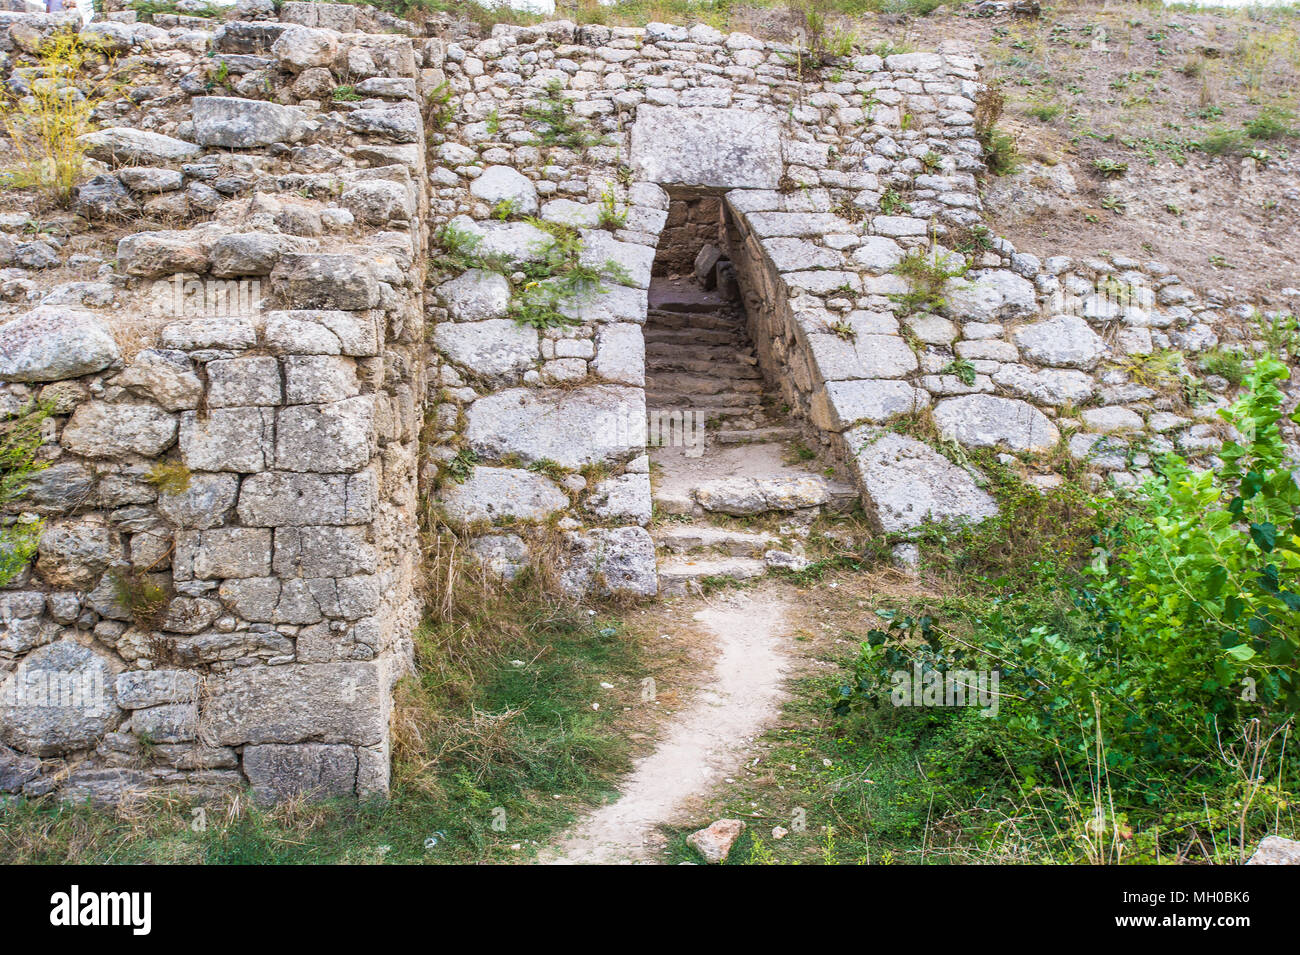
[[170, 477], [610, 215], [439, 112], [558, 275], [556, 125], [928, 273], [144, 597], [20, 440], [997, 148]]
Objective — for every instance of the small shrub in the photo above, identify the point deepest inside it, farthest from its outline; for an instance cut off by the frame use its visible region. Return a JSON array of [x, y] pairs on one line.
[[558, 275], [1223, 142], [997, 148], [843, 329], [1270, 123], [818, 45], [142, 596], [1160, 370], [45, 126], [977, 238], [554, 470], [553, 113], [1227, 363], [1280, 333], [20, 440], [963, 369], [460, 466], [458, 251], [1110, 168], [891, 203], [849, 211], [1045, 112], [610, 216], [928, 274], [438, 109]]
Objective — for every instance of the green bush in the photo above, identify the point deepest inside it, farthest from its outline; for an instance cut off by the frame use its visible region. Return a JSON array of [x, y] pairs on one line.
[[1187, 621], [1211, 569], [1183, 628]]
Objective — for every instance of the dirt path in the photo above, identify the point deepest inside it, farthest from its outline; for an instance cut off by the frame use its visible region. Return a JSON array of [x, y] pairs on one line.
[[703, 742]]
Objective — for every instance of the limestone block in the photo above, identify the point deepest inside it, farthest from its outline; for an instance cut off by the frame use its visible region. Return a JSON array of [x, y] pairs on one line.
[[222, 552], [62, 697], [312, 770], [905, 483], [232, 123], [990, 421], [206, 502], [573, 427], [102, 429], [334, 437], [344, 702], [845, 403], [286, 498], [1063, 340], [705, 146], [51, 343], [497, 348], [228, 439]]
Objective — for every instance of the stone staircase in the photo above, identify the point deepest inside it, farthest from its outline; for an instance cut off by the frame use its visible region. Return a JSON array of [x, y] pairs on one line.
[[701, 363]]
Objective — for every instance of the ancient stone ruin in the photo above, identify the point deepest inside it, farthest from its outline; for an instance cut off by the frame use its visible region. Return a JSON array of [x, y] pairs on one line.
[[551, 282]]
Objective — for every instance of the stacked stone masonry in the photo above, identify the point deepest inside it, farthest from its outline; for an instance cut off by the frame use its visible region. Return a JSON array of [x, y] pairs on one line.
[[266, 351], [316, 164]]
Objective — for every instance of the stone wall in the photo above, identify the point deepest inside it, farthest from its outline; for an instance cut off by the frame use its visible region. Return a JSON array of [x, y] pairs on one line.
[[829, 179], [693, 222], [226, 575], [230, 555]]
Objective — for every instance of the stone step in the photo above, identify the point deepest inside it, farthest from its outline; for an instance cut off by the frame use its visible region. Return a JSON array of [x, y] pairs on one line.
[[681, 383], [715, 321], [732, 351], [778, 433], [735, 418], [715, 356], [684, 297], [680, 576], [721, 369], [691, 336], [713, 407], [746, 496], [695, 538]]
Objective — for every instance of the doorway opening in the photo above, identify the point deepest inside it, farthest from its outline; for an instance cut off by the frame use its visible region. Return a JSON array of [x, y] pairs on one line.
[[712, 415]]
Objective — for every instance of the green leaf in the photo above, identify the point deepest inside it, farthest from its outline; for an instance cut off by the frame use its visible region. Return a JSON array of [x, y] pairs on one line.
[[1215, 580], [1251, 484], [1264, 535], [1240, 652]]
